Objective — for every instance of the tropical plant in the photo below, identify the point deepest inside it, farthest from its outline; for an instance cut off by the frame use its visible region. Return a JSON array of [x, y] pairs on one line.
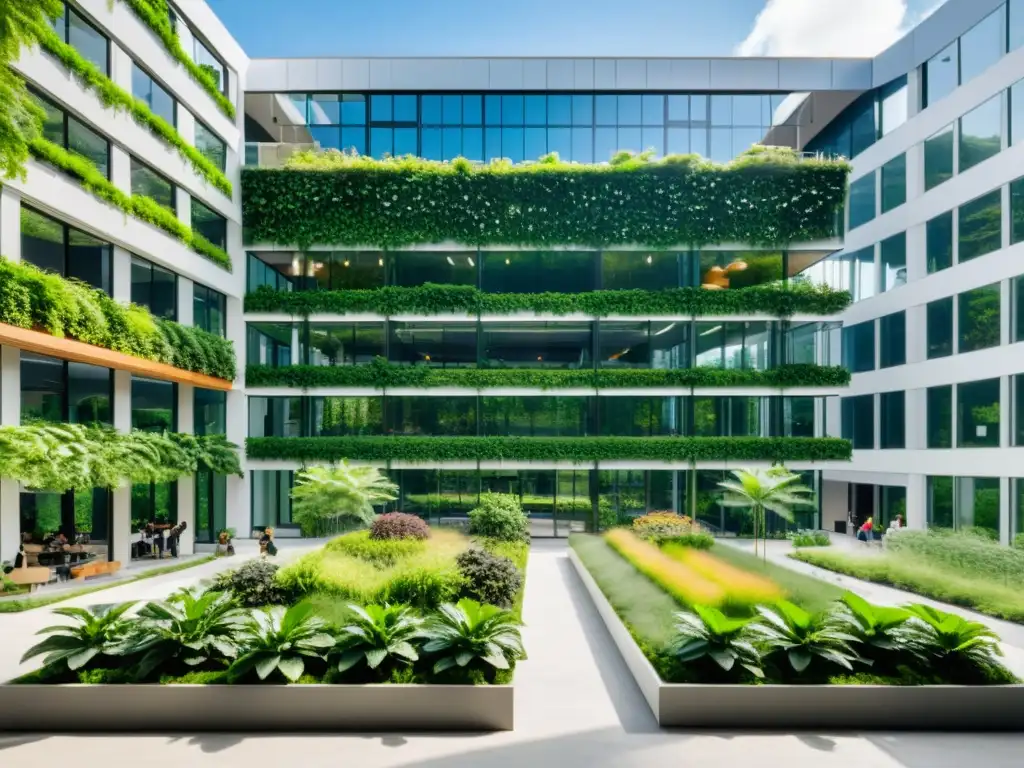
[[788, 629], [879, 629], [377, 633], [808, 538], [707, 633], [489, 578], [776, 490], [281, 639], [467, 633], [499, 516], [953, 644], [343, 493], [398, 525], [98, 630], [253, 584], [194, 630]]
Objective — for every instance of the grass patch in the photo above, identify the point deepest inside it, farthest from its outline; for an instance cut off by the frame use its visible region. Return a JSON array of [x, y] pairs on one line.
[[811, 594], [917, 575], [16, 606]]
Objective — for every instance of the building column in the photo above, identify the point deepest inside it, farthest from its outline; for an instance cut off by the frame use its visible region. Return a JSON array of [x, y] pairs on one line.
[[121, 288], [917, 502], [121, 169], [186, 305], [121, 533], [238, 512], [10, 415], [1005, 511], [187, 485], [10, 224]]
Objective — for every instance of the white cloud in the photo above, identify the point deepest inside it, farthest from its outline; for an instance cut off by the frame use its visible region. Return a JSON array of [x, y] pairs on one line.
[[826, 28]]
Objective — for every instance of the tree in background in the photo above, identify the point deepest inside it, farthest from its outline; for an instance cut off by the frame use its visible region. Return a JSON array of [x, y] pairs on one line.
[[775, 489], [328, 496], [20, 117]]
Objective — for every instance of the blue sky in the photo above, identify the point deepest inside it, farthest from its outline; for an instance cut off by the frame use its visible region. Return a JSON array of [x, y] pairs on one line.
[[269, 28]]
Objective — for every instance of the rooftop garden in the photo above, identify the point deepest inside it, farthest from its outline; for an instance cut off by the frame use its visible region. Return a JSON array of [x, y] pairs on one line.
[[766, 196]]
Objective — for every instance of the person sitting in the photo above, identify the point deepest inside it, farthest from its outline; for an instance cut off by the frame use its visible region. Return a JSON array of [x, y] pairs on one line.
[[865, 532], [267, 546]]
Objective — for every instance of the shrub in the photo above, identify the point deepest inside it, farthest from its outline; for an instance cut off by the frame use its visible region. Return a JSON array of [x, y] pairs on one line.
[[663, 525], [489, 578], [253, 585], [468, 634], [675, 577], [965, 552], [383, 553], [740, 587], [499, 516], [695, 540], [717, 643], [809, 539], [398, 525]]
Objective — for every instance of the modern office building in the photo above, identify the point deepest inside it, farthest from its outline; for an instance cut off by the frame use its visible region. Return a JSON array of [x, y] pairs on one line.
[[931, 341]]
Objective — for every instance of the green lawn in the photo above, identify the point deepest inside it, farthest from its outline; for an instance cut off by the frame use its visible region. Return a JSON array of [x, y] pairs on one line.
[[811, 594], [918, 576], [28, 603]]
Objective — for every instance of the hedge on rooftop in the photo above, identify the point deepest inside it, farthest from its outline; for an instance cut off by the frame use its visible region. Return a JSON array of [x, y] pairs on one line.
[[577, 450], [381, 374], [766, 196], [36, 300], [430, 298]]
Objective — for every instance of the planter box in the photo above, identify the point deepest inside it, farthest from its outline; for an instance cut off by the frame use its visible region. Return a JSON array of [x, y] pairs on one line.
[[160, 708], [881, 707]]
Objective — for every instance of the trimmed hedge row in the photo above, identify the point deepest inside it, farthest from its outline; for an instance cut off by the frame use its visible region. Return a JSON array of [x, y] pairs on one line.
[[36, 300], [384, 375], [765, 196], [141, 207], [574, 449], [115, 97], [431, 298]]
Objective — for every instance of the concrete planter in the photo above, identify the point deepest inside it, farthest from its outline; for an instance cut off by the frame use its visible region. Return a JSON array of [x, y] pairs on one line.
[[160, 708], [882, 707]]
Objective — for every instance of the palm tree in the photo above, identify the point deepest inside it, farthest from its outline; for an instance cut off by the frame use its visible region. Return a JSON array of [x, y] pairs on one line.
[[340, 492], [774, 489]]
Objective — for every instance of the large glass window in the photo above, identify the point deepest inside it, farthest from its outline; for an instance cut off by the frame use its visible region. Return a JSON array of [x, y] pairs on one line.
[[978, 414], [1016, 8], [894, 262], [941, 74], [59, 391], [1018, 411], [272, 498], [199, 52], [337, 271], [209, 309], [859, 347], [858, 420], [893, 420], [983, 45], [154, 288], [537, 345], [275, 417], [861, 204], [981, 226], [71, 133], [149, 183], [413, 268], [939, 242], [346, 416], [209, 415], [209, 224], [653, 271], [892, 333], [535, 416], [981, 133], [442, 345], [938, 158], [54, 246], [894, 183], [211, 146], [940, 327], [154, 405], [344, 343], [940, 502], [717, 270], [269, 344], [939, 403], [893, 102], [638, 416], [422, 415], [536, 272], [72, 28], [154, 95], [979, 321]]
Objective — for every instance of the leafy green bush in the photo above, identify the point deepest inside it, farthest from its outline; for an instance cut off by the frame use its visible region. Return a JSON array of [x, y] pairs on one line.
[[693, 540], [96, 633], [432, 298], [967, 553], [253, 584], [468, 634], [378, 634], [489, 579], [279, 639], [499, 516], [33, 299], [759, 198], [398, 525], [580, 450], [786, 629], [717, 643], [809, 538], [383, 553]]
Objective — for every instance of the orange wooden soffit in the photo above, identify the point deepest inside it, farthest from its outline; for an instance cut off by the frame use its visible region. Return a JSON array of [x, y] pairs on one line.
[[76, 351]]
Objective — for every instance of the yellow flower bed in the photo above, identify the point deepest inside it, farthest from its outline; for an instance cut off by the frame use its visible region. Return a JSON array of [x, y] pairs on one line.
[[681, 581], [741, 587]]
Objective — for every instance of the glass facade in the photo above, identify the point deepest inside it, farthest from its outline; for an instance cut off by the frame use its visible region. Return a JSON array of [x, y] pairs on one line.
[[859, 347], [964, 503], [853, 271], [940, 417], [149, 183], [892, 334], [209, 224], [155, 96], [981, 133], [858, 420], [1016, 211], [209, 309], [582, 127], [67, 131], [861, 204], [939, 242], [72, 28], [211, 509], [938, 157], [893, 420], [893, 252], [211, 146], [939, 315], [894, 183], [154, 288], [54, 246], [867, 119], [978, 315], [978, 414], [981, 226]]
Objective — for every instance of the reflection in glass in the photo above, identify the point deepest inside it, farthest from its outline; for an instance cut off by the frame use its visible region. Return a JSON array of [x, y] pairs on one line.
[[423, 415], [43, 387], [981, 133], [941, 74], [337, 416], [939, 319], [893, 334], [938, 158], [939, 405], [275, 417], [978, 414], [859, 347], [544, 416], [858, 420], [979, 318], [90, 43], [894, 183], [893, 253], [149, 183], [940, 502], [209, 224], [414, 268], [638, 416], [538, 271], [861, 204], [981, 226], [982, 45], [537, 345], [269, 344], [332, 344], [442, 345], [893, 420], [939, 242]]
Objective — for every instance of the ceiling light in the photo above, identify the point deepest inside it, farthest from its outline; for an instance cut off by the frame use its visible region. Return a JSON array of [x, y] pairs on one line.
[[470, 260], [650, 259], [709, 331], [666, 329], [449, 260], [508, 261], [347, 262], [380, 262], [295, 265]]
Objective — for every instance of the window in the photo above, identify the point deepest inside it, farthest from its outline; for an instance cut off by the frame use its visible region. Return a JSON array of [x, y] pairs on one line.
[[940, 327], [60, 391], [72, 28], [536, 416], [858, 421], [159, 101], [74, 135], [453, 345], [524, 271], [1017, 209], [209, 412], [52, 245], [978, 312], [977, 504], [892, 99], [431, 416], [982, 45], [336, 416], [862, 200], [209, 309], [1018, 412], [149, 183], [894, 183], [940, 502], [978, 414], [938, 158], [894, 262], [271, 500], [941, 74], [211, 146], [209, 224], [939, 403], [269, 344], [893, 338], [340, 270], [343, 343], [1017, 300], [981, 226], [638, 270], [155, 288], [981, 133], [199, 52], [893, 420], [859, 347], [445, 268], [154, 405], [939, 242]]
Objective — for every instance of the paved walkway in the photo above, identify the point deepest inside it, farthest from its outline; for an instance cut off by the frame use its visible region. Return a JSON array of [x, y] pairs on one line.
[[576, 705]]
